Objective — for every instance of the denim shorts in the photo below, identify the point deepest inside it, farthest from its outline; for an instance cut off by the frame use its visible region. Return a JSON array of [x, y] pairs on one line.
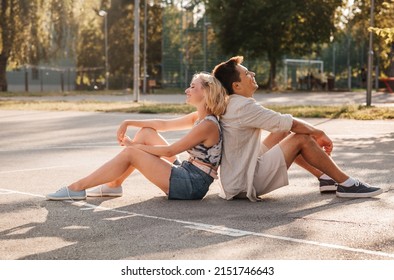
[[188, 182]]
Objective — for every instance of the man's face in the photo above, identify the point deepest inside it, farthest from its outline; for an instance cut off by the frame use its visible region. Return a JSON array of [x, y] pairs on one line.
[[247, 86]]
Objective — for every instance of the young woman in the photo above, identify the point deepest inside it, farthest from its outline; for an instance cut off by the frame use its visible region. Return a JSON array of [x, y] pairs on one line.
[[156, 159]]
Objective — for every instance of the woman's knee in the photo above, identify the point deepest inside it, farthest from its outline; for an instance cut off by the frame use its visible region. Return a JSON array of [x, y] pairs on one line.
[[129, 153], [144, 133]]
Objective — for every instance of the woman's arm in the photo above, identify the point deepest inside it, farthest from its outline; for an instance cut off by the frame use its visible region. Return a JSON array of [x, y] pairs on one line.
[[184, 122], [199, 134]]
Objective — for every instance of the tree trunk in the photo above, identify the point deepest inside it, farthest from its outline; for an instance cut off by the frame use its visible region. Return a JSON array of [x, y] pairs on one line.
[[3, 73], [390, 69], [272, 78]]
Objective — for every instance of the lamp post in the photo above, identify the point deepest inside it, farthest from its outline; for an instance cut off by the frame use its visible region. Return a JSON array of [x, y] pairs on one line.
[[136, 71], [104, 14], [370, 58], [145, 45], [206, 25]]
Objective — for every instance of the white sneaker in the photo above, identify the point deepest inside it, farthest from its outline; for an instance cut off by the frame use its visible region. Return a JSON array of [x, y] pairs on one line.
[[66, 194], [104, 190]]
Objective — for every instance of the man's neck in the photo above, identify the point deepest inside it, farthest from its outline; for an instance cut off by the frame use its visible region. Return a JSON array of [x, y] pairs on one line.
[[244, 94]]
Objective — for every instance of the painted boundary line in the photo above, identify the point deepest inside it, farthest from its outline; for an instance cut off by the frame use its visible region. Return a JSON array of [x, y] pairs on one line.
[[213, 228], [34, 169], [109, 144]]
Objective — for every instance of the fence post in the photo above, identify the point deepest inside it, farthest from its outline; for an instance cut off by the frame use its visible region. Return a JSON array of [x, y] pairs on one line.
[[42, 80], [68, 79], [26, 80], [62, 80]]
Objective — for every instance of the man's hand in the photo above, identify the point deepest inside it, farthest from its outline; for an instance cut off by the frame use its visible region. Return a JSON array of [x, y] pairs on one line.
[[325, 142]]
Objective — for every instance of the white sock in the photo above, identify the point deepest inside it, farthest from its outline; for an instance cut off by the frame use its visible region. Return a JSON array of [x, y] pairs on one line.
[[349, 182], [325, 177]]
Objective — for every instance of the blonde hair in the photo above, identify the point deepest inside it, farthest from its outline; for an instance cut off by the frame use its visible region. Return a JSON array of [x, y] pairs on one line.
[[216, 98]]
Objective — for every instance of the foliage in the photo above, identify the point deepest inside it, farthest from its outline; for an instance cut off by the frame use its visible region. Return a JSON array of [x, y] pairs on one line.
[[43, 31], [385, 31], [383, 28], [272, 28], [32, 31]]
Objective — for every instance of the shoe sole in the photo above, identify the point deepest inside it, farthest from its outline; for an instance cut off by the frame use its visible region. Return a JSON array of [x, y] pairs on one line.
[[104, 195], [66, 198], [359, 195], [329, 188]]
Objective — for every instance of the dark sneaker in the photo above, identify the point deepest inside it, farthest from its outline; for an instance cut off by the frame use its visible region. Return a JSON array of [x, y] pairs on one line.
[[327, 185], [358, 190]]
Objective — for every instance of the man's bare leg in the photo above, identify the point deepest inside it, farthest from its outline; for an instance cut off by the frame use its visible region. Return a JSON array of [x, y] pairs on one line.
[[314, 155], [304, 145], [274, 138]]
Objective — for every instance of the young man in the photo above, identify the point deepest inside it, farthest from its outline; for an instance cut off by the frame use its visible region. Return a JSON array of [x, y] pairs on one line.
[[252, 168]]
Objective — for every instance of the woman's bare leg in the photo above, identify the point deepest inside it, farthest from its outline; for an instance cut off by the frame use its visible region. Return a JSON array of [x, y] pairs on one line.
[[156, 170], [146, 136]]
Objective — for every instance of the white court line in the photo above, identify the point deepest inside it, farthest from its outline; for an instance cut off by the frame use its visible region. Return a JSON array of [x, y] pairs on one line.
[[35, 169], [72, 146], [218, 229]]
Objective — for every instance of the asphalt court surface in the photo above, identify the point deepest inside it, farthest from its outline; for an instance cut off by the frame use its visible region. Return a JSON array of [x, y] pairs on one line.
[[42, 151]]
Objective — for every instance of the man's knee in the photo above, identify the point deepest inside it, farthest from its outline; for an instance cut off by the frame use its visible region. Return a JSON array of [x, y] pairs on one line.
[[293, 145], [303, 140], [274, 138]]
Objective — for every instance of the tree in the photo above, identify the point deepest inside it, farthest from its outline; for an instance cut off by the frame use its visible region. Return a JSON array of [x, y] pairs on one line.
[[90, 47], [385, 31], [384, 22], [12, 13], [272, 29], [31, 31]]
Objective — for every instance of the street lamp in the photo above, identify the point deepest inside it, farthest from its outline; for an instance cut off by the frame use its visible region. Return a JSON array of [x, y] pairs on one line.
[[136, 71], [145, 45], [206, 25], [104, 14], [370, 58]]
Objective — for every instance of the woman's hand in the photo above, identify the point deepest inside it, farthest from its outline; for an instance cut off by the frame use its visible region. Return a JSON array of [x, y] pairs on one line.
[[122, 132], [127, 141]]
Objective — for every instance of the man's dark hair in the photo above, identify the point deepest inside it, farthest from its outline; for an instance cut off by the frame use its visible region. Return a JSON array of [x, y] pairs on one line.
[[227, 73]]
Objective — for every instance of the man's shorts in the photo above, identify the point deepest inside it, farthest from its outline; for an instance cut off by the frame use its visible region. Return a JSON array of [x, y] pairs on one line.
[[188, 182], [271, 171]]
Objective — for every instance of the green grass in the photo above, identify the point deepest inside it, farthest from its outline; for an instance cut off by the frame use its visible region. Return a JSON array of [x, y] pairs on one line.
[[357, 112], [332, 112]]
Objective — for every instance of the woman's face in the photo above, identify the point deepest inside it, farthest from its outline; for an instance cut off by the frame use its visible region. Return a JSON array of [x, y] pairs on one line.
[[195, 93]]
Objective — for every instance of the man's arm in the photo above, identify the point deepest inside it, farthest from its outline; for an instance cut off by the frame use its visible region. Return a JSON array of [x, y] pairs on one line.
[[302, 127]]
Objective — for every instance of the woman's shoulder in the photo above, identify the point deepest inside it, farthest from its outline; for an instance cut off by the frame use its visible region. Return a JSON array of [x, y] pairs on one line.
[[209, 122], [212, 118]]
